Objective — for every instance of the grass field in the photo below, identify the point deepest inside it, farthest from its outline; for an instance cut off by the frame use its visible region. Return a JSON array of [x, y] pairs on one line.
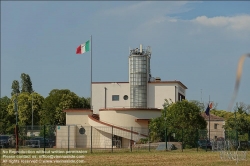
[[187, 158], [169, 158]]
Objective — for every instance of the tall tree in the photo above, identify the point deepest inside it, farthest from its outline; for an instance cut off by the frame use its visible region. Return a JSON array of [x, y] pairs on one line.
[[55, 103], [240, 119], [242, 108], [222, 113], [15, 87], [85, 102], [199, 104], [24, 104], [26, 83], [182, 118], [4, 118]]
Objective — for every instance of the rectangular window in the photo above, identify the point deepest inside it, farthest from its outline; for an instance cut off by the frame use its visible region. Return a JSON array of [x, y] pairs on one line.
[[181, 97], [215, 126], [115, 97]]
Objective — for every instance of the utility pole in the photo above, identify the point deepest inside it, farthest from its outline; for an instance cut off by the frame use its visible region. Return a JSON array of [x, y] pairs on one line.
[[165, 118], [32, 114], [201, 102], [209, 120], [235, 121], [201, 95], [16, 128], [16, 109]]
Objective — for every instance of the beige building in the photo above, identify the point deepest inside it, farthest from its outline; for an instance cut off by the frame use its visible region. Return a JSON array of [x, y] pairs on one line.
[[120, 124], [117, 94], [120, 111], [216, 126]]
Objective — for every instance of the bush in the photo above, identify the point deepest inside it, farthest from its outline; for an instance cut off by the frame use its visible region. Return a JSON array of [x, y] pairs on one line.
[[143, 141], [188, 147]]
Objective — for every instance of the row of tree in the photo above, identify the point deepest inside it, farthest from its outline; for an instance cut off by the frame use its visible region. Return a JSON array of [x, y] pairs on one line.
[[182, 118], [182, 121], [26, 85], [48, 110], [238, 120]]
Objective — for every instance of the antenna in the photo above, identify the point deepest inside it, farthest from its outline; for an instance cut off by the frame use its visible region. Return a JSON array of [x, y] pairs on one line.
[[201, 95], [149, 51]]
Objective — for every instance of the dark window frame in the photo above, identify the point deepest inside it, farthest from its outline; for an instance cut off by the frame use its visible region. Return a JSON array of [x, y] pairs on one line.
[[125, 97], [215, 126], [115, 97]]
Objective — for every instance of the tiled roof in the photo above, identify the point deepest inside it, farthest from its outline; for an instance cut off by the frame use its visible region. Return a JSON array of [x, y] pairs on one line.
[[78, 110], [150, 82], [212, 117], [167, 82], [130, 109]]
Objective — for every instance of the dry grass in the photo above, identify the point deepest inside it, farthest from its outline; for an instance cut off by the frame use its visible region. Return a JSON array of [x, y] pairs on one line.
[[169, 158], [186, 158]]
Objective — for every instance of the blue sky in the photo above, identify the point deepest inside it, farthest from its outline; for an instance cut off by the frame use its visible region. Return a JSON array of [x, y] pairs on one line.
[[197, 43]]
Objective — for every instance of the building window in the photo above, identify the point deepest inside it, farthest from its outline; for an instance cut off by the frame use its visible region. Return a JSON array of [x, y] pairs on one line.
[[115, 97], [82, 130], [181, 97], [215, 126], [125, 97]]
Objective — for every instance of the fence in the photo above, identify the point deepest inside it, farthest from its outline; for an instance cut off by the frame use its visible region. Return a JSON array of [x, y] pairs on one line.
[[111, 139]]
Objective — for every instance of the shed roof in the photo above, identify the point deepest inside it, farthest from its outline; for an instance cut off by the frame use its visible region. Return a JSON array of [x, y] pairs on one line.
[[212, 117], [78, 110]]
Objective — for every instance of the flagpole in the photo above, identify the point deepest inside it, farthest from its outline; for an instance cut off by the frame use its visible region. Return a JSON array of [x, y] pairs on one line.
[[209, 119], [91, 107]]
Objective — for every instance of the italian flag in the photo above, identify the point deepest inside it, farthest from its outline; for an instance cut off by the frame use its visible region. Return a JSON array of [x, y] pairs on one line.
[[83, 48]]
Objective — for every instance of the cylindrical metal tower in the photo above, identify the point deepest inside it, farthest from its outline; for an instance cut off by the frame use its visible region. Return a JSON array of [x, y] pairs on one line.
[[139, 75]]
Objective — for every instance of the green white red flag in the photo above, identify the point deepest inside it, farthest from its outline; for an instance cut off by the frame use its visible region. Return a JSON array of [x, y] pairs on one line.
[[83, 48]]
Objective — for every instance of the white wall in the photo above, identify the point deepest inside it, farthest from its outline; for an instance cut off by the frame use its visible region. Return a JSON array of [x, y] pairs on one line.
[[98, 95], [158, 92], [126, 118], [125, 142], [34, 132], [180, 90], [105, 140], [121, 131], [78, 118], [219, 132], [66, 135], [83, 140]]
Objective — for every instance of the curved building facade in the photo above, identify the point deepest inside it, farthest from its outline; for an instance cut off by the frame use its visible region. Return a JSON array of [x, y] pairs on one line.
[[121, 111]]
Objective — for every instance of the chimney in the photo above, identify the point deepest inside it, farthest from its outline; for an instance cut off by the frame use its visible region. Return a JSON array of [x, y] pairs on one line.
[[157, 79]]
